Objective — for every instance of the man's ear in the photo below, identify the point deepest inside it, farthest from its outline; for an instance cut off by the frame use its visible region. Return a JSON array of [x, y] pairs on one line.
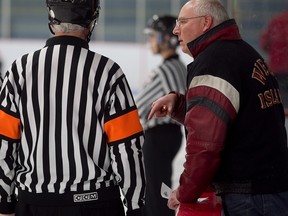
[[208, 23]]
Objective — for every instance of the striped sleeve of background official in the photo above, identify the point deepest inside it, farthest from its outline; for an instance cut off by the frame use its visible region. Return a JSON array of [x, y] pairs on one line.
[[64, 90], [171, 76]]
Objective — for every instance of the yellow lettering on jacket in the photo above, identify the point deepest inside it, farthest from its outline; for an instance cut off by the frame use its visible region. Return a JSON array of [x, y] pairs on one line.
[[269, 98], [261, 72]]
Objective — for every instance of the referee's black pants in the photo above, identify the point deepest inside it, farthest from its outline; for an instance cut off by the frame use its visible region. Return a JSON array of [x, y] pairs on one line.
[[106, 208], [161, 145]]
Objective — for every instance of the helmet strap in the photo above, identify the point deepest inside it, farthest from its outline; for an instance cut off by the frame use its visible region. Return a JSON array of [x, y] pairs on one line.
[[50, 28], [92, 26]]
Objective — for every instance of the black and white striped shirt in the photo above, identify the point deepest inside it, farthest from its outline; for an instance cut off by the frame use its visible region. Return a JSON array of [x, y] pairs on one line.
[[169, 76], [68, 123]]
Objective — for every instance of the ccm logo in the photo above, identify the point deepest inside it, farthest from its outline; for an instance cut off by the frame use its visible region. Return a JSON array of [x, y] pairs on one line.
[[85, 197]]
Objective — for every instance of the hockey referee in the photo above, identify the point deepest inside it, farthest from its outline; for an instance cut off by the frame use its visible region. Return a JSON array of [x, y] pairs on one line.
[[70, 134], [163, 136]]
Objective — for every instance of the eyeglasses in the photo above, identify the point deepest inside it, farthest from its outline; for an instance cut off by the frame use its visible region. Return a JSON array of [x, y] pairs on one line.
[[181, 21]]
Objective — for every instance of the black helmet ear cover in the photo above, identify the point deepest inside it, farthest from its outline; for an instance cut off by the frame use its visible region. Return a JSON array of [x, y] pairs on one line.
[[52, 17], [52, 20]]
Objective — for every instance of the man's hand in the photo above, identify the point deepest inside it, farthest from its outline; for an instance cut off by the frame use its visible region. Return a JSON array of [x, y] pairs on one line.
[[173, 202], [163, 106], [7, 214]]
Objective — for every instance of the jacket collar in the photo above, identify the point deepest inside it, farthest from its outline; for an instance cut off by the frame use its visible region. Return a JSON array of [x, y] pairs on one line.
[[228, 30]]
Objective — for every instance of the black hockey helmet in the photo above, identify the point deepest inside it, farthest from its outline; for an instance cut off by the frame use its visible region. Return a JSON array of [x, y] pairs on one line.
[[81, 12], [165, 25]]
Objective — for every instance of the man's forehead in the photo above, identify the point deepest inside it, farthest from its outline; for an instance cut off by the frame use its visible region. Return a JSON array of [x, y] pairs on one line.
[[186, 10]]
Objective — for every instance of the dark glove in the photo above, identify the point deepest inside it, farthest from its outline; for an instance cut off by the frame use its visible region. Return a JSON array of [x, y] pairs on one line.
[[135, 212]]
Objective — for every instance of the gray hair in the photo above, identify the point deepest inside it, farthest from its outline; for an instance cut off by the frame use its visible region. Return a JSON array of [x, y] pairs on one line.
[[67, 28], [213, 8]]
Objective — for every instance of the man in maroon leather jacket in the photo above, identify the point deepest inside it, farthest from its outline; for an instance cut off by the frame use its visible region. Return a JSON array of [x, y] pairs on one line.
[[233, 115]]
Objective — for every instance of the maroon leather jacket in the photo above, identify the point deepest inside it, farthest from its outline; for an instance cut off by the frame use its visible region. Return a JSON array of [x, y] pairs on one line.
[[229, 125]]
